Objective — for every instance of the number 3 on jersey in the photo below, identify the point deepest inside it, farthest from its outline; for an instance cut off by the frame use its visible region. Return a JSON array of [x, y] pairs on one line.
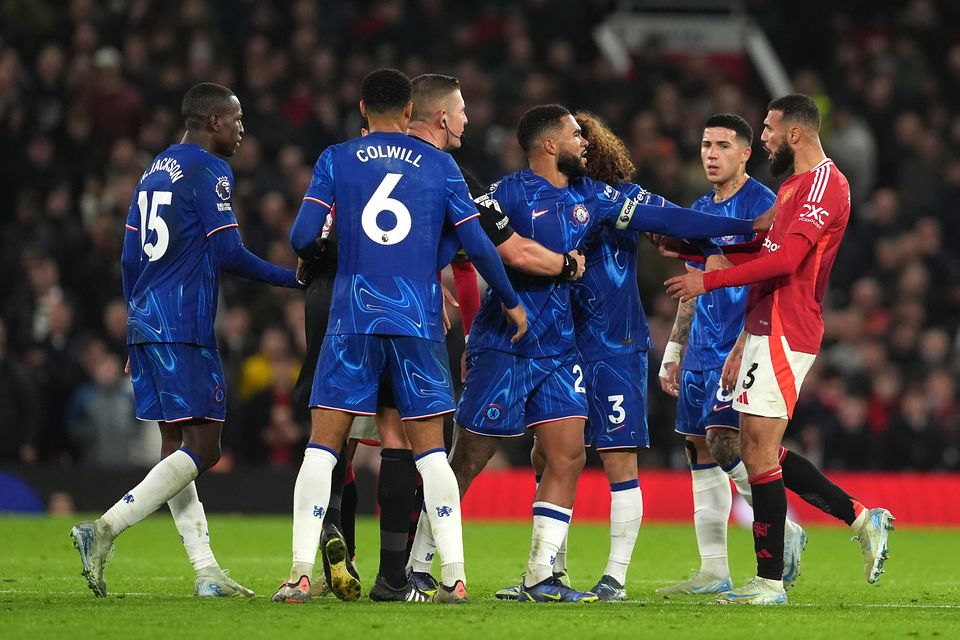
[[379, 202], [150, 220]]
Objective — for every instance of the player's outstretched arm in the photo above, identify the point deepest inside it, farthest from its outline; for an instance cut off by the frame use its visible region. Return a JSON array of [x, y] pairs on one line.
[[488, 263], [516, 251], [679, 222], [776, 264], [784, 261], [529, 256], [229, 254]]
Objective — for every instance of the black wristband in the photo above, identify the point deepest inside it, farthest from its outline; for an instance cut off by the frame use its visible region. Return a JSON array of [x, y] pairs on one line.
[[569, 270]]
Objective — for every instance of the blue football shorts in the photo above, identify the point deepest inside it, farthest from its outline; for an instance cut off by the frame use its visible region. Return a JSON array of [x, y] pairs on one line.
[[349, 370], [506, 394], [617, 396], [703, 404], [176, 382]]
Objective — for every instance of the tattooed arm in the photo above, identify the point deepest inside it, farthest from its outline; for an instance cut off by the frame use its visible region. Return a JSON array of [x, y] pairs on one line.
[[670, 366]]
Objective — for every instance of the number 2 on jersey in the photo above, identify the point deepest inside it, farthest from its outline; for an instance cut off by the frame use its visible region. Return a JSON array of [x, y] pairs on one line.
[[150, 220], [381, 201], [578, 383]]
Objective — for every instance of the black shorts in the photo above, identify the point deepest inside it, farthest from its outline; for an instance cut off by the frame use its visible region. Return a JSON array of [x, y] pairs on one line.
[[316, 315]]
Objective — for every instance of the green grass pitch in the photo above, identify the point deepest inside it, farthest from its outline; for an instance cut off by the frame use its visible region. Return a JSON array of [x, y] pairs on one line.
[[43, 596]]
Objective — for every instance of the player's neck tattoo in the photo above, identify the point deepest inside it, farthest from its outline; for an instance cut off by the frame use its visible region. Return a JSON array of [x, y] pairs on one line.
[[722, 193]]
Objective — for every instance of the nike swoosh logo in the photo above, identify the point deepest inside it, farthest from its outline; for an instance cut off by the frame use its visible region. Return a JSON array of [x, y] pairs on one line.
[[552, 597], [721, 407], [537, 214]]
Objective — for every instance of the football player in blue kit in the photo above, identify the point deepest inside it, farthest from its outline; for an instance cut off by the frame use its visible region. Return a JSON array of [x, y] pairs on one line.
[[709, 327], [539, 382], [612, 338], [181, 231], [393, 194]]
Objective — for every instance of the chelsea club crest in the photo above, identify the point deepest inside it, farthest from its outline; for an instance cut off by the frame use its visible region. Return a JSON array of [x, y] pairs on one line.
[[580, 214]]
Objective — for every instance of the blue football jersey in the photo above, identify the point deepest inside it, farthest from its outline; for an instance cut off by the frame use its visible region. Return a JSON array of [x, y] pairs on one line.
[[560, 219], [183, 198], [607, 313], [718, 318], [393, 194]]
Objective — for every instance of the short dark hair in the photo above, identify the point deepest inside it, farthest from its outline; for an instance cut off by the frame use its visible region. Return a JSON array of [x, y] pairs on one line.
[[386, 91], [798, 107], [429, 90], [733, 122], [202, 100], [536, 121]]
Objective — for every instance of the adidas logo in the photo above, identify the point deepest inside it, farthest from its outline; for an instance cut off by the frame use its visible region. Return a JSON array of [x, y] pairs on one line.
[[742, 399]]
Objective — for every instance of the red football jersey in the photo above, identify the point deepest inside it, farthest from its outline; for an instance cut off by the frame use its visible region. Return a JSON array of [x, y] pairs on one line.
[[812, 208]]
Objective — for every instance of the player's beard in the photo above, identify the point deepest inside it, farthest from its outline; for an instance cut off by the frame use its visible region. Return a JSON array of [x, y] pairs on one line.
[[782, 159], [571, 165]]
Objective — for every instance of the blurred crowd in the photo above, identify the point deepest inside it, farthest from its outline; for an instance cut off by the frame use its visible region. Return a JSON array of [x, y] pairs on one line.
[[89, 93]]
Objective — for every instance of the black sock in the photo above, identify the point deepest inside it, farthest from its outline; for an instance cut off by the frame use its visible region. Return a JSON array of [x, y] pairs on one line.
[[348, 509], [415, 515], [395, 490], [336, 491], [804, 479], [769, 513]]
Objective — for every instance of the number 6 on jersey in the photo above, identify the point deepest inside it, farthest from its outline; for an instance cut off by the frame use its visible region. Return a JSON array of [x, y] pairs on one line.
[[381, 201]]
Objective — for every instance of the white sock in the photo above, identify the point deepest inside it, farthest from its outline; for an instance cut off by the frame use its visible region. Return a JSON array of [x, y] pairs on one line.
[[550, 526], [738, 473], [167, 478], [311, 496], [424, 547], [560, 564], [626, 513], [187, 512], [441, 500], [712, 499]]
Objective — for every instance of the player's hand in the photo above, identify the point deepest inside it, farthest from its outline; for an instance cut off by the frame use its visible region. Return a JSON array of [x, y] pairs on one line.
[[666, 246], [718, 261], [302, 277], [669, 382], [764, 222], [581, 261], [517, 315], [731, 368], [448, 298], [686, 287]]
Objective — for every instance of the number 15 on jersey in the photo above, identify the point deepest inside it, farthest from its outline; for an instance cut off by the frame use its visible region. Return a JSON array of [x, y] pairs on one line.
[[150, 220]]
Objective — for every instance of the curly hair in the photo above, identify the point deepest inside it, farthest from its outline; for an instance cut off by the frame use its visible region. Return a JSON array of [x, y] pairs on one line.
[[607, 158]]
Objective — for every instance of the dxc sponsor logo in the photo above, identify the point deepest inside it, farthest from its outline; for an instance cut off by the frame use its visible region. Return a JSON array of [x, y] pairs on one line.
[[813, 213]]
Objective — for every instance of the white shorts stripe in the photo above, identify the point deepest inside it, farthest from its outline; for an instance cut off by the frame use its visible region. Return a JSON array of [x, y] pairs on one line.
[[759, 391]]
